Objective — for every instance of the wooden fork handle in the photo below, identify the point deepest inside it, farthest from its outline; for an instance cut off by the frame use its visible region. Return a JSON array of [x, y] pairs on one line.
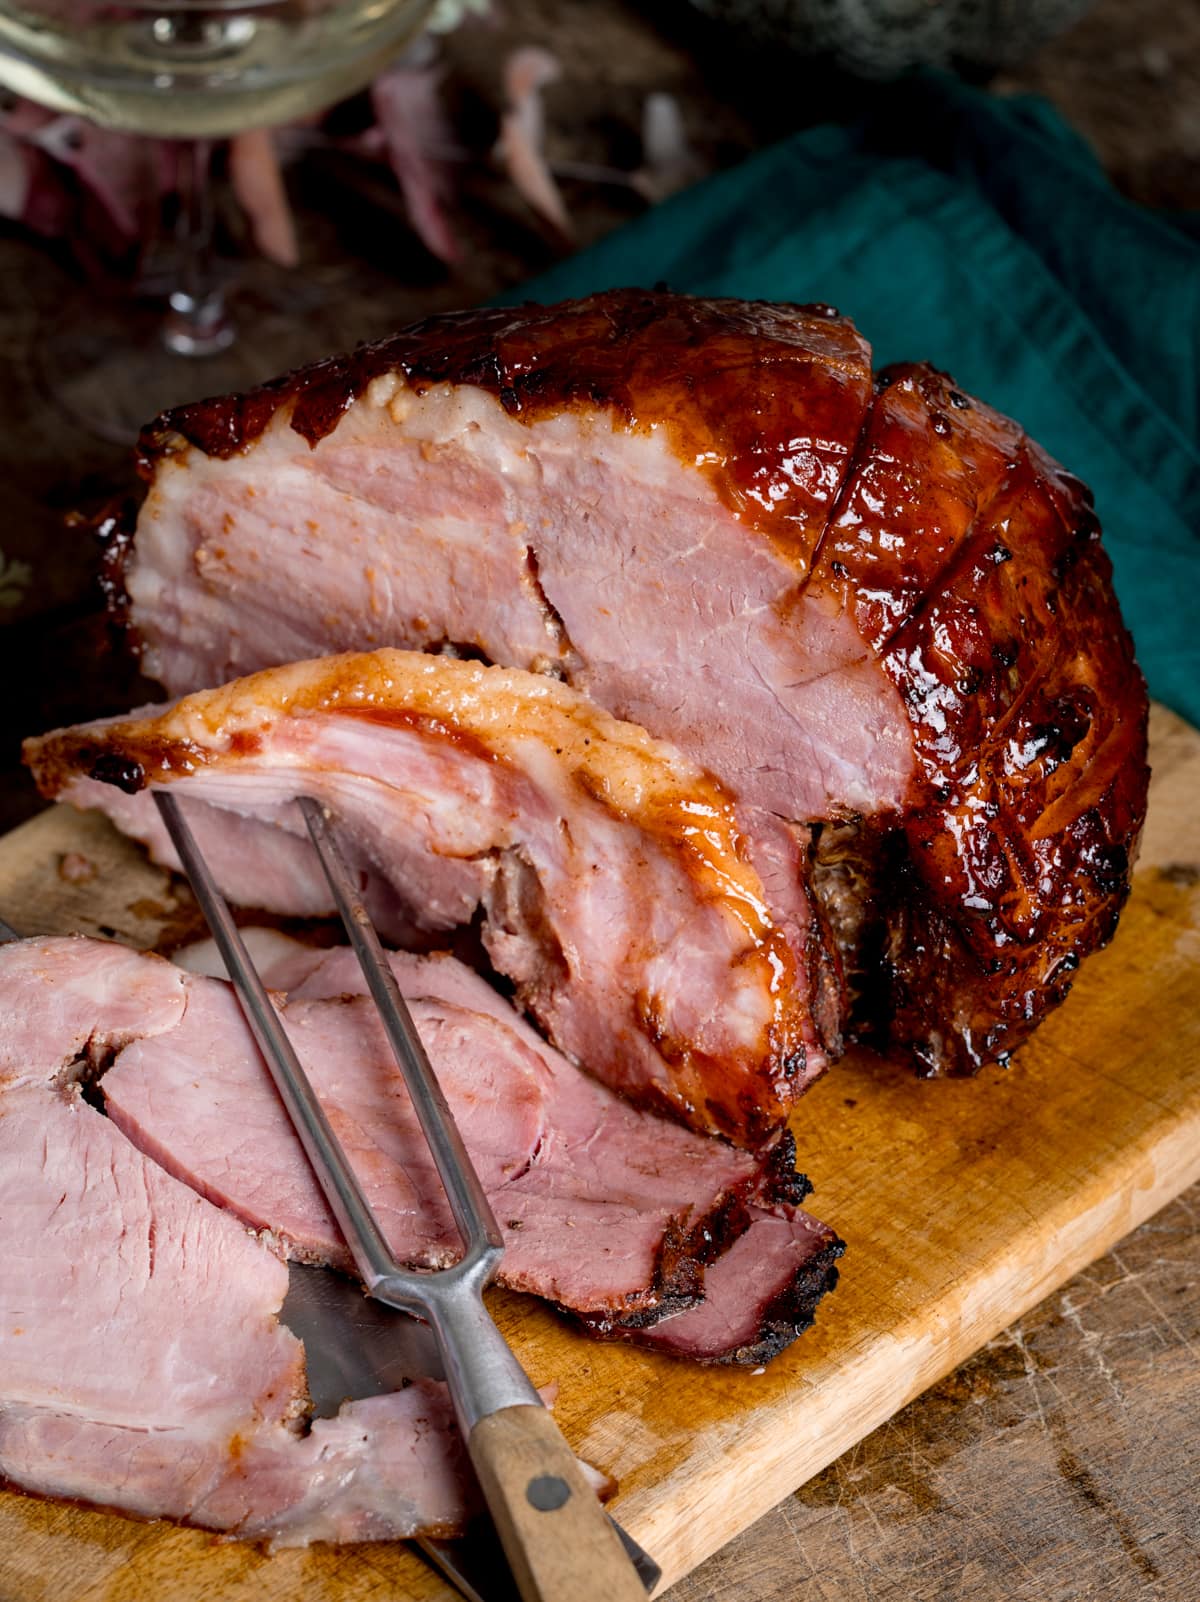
[[559, 1543]]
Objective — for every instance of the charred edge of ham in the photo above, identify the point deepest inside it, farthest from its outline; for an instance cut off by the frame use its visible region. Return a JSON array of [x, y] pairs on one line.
[[786, 1317], [685, 1254], [114, 531], [790, 1310], [778, 1184]]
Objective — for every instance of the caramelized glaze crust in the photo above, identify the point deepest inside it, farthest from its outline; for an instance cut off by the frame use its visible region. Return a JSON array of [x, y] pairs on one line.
[[928, 656], [973, 565], [765, 400]]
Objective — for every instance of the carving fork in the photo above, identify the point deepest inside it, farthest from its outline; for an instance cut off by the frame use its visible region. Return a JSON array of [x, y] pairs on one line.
[[559, 1542]]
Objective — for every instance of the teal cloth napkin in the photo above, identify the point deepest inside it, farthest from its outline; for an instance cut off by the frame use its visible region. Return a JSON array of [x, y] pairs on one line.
[[981, 234]]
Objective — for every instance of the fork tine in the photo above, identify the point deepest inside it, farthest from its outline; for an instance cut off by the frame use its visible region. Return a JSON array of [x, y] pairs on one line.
[[337, 1178], [486, 1380], [468, 1200]]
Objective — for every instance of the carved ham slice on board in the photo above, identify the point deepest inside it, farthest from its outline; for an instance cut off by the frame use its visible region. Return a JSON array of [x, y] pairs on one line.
[[609, 1212], [658, 932], [870, 604], [142, 1362]]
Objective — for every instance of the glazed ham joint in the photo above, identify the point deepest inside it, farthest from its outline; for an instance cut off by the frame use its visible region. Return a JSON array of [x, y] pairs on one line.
[[866, 604], [739, 699]]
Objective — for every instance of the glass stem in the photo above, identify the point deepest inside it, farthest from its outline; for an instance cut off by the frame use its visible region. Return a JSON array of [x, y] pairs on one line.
[[197, 323]]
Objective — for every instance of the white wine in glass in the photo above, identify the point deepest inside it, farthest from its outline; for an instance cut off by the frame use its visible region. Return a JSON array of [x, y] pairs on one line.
[[195, 71], [199, 69]]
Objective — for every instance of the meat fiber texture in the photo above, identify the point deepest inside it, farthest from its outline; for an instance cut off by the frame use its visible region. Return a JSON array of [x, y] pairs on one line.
[[142, 1363], [867, 603], [658, 933], [676, 1242], [606, 1211]]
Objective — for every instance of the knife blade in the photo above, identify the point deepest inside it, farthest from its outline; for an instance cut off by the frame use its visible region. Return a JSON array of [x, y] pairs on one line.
[[357, 1347]]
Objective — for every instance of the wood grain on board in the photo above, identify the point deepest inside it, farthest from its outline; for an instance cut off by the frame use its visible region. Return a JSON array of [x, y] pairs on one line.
[[964, 1203], [1057, 1464]]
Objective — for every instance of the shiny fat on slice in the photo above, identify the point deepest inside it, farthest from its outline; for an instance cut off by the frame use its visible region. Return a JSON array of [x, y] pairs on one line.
[[143, 1366], [656, 930]]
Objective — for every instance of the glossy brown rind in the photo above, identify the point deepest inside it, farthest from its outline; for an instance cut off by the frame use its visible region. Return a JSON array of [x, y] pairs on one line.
[[968, 560], [735, 383], [985, 592]]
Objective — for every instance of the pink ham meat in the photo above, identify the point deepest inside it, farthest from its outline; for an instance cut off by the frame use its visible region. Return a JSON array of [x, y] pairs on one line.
[[641, 1202], [401, 497], [656, 931], [759, 1292], [864, 602], [644, 1205], [142, 1363]]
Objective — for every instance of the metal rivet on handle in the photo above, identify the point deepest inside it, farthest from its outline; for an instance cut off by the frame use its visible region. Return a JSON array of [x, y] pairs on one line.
[[547, 1493]]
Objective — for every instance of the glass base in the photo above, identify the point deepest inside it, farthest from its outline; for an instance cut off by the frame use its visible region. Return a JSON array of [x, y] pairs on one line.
[[197, 326], [113, 366]]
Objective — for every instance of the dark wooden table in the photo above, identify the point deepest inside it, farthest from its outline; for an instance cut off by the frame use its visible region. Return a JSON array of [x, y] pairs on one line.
[[1060, 1463]]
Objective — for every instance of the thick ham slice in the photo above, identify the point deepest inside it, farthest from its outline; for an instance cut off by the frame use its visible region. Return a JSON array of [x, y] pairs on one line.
[[143, 1366], [609, 1212], [620, 1186], [642, 1203], [875, 606], [142, 1363], [658, 932]]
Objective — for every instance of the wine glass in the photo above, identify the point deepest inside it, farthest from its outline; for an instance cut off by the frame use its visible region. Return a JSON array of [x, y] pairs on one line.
[[192, 71]]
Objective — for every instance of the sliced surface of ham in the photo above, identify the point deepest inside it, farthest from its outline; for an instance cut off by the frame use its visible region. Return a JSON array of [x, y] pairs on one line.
[[761, 1264], [658, 932], [869, 603], [613, 1214], [606, 1210], [142, 1363]]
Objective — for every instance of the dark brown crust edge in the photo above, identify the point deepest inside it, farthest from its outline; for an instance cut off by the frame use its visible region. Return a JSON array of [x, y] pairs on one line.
[[683, 1257], [528, 357], [684, 1254], [787, 1317], [782, 1320]]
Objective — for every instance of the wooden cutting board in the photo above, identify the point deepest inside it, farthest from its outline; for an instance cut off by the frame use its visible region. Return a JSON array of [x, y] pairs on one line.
[[963, 1202]]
